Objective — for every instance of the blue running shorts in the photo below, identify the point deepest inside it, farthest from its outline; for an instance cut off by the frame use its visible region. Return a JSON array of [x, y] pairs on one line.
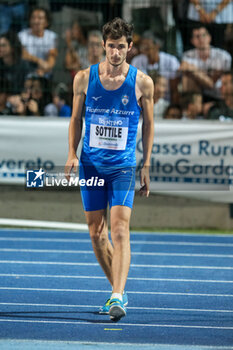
[[118, 187]]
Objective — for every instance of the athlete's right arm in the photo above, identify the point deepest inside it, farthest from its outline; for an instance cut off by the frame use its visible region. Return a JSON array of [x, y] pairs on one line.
[[75, 128]]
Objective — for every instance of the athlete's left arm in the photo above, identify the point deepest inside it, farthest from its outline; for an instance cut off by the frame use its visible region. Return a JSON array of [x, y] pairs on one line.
[[147, 90]]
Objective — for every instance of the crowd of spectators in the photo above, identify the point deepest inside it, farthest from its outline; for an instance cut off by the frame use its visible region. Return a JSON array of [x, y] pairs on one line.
[[195, 83]]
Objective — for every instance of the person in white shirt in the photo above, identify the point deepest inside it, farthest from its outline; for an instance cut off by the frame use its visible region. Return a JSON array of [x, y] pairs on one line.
[[215, 14], [203, 65], [39, 44], [207, 11], [152, 59]]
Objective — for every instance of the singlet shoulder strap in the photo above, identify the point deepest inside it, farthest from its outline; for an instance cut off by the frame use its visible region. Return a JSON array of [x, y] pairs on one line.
[[94, 70], [132, 73], [93, 75]]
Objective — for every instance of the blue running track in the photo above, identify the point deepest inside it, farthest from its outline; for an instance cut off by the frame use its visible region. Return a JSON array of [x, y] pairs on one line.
[[180, 290]]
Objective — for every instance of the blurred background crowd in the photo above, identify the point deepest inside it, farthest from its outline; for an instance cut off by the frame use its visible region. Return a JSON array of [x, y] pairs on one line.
[[186, 46]]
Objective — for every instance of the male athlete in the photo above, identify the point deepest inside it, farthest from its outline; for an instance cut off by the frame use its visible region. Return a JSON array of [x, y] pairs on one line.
[[114, 94]]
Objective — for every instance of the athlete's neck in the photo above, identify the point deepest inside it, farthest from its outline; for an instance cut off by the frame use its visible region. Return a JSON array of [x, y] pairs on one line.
[[113, 71]]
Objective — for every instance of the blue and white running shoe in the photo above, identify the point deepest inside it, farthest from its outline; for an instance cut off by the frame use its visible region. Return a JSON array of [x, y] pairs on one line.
[[104, 310], [116, 309]]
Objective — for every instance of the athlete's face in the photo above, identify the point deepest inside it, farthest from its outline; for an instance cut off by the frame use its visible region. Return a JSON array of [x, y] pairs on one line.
[[116, 50]]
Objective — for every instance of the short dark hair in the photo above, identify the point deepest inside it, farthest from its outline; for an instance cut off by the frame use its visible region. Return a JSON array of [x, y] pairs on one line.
[[116, 28], [15, 45], [199, 26], [62, 92], [46, 12], [173, 106]]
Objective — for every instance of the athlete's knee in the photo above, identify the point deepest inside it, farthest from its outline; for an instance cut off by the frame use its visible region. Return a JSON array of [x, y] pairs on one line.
[[120, 231], [98, 232]]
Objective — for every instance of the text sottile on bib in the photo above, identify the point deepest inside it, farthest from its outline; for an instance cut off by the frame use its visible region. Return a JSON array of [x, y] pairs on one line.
[[109, 133]]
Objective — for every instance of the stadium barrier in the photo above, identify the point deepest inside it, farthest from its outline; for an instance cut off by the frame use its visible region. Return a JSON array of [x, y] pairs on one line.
[[189, 158]]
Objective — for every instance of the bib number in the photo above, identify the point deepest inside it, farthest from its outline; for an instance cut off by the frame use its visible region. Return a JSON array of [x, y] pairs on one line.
[[109, 133]]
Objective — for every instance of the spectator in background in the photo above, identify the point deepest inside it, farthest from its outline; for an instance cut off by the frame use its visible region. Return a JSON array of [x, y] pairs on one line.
[[180, 9], [12, 15], [228, 39], [95, 51], [76, 50], [32, 100], [223, 109], [12, 67], [135, 49], [214, 14], [152, 59], [39, 43], [203, 65], [4, 93], [160, 88], [192, 106], [60, 106], [173, 111]]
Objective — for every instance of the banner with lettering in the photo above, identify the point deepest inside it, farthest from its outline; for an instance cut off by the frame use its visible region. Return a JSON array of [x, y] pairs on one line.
[[189, 158]]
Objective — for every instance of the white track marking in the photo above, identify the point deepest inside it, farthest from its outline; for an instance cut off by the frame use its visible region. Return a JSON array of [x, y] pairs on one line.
[[132, 265], [142, 233], [122, 324], [63, 240], [15, 275], [107, 291], [132, 308], [57, 251]]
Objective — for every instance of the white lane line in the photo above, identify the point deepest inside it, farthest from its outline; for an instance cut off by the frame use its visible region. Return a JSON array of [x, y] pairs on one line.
[[107, 291], [130, 307], [63, 240], [122, 324], [57, 251], [15, 275], [132, 265]]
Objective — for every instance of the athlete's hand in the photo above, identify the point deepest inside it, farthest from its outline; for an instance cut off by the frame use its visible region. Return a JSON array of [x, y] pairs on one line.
[[144, 181], [71, 164]]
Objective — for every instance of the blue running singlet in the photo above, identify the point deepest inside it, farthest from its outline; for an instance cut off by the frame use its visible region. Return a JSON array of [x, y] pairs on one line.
[[111, 122]]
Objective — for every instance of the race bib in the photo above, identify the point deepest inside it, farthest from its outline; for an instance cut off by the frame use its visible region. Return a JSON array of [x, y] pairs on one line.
[[109, 133]]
